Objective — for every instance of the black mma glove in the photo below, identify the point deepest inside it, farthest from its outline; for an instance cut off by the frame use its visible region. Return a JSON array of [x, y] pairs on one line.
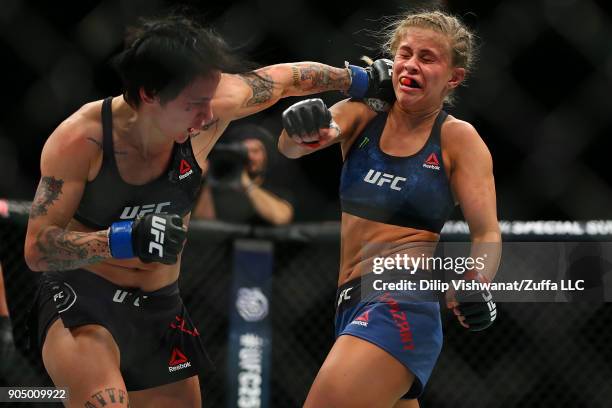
[[373, 81], [152, 238], [304, 119], [477, 306]]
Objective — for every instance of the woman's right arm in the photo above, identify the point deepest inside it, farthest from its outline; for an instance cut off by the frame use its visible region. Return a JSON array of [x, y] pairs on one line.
[[348, 119], [65, 164]]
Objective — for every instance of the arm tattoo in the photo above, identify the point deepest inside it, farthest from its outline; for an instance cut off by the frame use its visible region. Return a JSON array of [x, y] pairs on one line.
[[48, 191], [377, 105], [63, 250], [115, 396], [319, 77], [101, 146], [261, 84], [296, 76]]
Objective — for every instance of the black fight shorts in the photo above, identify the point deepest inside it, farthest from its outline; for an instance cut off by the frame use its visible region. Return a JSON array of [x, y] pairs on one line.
[[157, 339]]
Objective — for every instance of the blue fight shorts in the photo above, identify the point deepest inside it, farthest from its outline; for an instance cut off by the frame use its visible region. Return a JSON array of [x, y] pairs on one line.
[[406, 324]]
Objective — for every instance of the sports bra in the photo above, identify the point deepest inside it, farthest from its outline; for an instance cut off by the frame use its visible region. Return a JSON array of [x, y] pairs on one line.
[[108, 198], [411, 191]]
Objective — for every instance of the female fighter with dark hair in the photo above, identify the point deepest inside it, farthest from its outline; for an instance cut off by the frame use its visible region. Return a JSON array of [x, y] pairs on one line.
[[119, 178]]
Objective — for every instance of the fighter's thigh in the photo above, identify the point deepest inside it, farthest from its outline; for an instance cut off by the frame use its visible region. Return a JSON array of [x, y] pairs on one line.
[[357, 373], [86, 361], [185, 393]]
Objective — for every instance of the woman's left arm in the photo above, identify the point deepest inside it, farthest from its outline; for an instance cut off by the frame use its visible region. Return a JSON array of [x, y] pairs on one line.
[[472, 183], [474, 188]]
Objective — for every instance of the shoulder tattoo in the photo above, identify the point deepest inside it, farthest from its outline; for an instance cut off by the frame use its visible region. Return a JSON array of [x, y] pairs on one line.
[[377, 105], [261, 84]]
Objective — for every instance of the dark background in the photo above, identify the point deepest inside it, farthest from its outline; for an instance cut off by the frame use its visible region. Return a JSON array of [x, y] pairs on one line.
[[539, 96]]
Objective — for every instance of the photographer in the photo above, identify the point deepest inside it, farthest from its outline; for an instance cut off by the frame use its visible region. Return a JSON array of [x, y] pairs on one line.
[[236, 187]]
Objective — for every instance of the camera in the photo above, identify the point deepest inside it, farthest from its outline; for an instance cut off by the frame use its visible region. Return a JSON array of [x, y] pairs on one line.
[[226, 163]]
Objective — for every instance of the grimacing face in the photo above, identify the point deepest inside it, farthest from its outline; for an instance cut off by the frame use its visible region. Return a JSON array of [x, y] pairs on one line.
[[422, 68], [191, 109]]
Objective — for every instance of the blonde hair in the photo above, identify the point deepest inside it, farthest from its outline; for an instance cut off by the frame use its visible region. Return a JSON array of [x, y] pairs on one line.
[[461, 39]]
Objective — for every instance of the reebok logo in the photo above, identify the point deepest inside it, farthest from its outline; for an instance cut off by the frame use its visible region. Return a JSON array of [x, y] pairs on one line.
[[185, 169], [178, 361], [363, 319], [379, 178], [432, 162]]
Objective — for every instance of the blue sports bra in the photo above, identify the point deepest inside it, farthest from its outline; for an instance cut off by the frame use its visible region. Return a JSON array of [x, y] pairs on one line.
[[411, 191]]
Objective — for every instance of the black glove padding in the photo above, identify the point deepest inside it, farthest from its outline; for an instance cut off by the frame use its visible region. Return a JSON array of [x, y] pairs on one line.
[[158, 238], [306, 118], [477, 307], [380, 85]]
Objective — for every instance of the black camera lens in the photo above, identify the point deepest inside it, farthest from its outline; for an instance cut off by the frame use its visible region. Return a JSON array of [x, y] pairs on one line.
[[226, 163]]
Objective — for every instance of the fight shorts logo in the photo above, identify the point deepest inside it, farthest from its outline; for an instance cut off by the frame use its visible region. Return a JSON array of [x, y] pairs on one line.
[[344, 295], [252, 304], [432, 162], [120, 296], [63, 296], [363, 319], [178, 361]]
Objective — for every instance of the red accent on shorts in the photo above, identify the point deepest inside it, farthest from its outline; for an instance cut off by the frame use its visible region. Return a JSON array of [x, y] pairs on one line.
[[401, 321], [181, 326], [364, 316]]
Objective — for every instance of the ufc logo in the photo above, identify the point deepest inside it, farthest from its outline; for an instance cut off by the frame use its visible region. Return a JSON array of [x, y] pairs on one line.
[[379, 178], [344, 295], [488, 298], [120, 296], [158, 228], [129, 213]]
